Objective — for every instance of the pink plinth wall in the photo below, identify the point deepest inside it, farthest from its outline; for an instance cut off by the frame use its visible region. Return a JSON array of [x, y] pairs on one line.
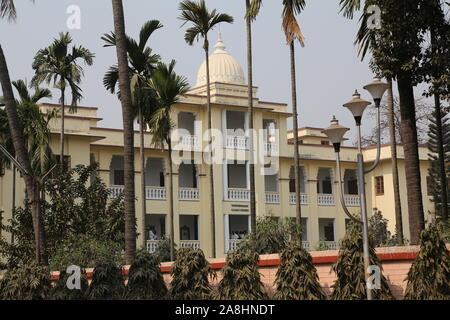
[[396, 262]]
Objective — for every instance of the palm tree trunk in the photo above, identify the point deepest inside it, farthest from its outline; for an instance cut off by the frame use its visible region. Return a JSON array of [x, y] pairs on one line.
[[298, 208], [21, 153], [211, 165], [61, 140], [142, 155], [395, 180], [128, 131], [440, 141], [13, 199], [172, 219], [251, 126], [412, 163]]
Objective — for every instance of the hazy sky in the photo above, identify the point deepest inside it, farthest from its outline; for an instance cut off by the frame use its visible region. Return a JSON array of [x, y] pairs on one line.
[[328, 68]]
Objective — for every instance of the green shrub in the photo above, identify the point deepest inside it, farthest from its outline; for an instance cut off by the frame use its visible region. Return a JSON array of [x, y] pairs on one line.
[[61, 292], [350, 283], [241, 278], [190, 276], [145, 280], [107, 282], [429, 276], [30, 282], [85, 251], [297, 277], [163, 250]]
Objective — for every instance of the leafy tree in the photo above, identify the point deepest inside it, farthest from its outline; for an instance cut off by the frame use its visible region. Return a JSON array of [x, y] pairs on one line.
[[378, 226], [202, 22], [272, 236], [163, 250], [145, 280], [241, 278], [429, 276], [297, 277], [107, 282], [75, 208], [61, 292], [350, 283], [436, 184], [190, 276], [30, 282]]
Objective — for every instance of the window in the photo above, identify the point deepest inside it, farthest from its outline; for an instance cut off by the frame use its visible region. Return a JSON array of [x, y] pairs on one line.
[[379, 186], [66, 162], [2, 169], [119, 178], [429, 186], [325, 143]]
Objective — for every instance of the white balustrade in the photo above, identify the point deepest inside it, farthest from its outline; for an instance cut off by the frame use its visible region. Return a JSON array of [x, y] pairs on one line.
[[238, 195], [194, 244], [189, 194], [331, 245], [272, 197], [152, 245], [306, 245], [233, 244], [303, 199], [237, 142], [116, 191], [270, 147], [188, 141], [326, 200], [155, 193], [351, 200]]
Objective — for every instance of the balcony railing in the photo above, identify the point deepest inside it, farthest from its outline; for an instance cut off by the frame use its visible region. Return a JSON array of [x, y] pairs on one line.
[[237, 142], [351, 200], [331, 245], [270, 148], [116, 191], [303, 199], [233, 244], [272, 197], [194, 244], [326, 200], [188, 141], [189, 194], [237, 195], [306, 245], [155, 193], [152, 245]]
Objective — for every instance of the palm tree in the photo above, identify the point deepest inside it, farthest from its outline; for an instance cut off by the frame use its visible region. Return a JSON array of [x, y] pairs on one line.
[[293, 32], [168, 87], [203, 21], [141, 65], [55, 64], [7, 9], [128, 130], [393, 138]]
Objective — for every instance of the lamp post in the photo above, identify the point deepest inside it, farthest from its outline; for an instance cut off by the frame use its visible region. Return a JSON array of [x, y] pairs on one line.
[[336, 133]]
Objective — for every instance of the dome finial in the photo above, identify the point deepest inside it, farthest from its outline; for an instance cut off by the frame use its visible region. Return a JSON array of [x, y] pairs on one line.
[[220, 46]]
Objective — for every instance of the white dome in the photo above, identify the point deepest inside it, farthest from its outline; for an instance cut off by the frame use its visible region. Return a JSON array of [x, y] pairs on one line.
[[222, 67]]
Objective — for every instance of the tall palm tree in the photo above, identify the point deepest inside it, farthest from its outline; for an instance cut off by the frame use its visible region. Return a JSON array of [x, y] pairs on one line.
[[7, 9], [168, 87], [128, 130], [395, 180], [58, 63], [141, 65], [202, 21], [292, 32]]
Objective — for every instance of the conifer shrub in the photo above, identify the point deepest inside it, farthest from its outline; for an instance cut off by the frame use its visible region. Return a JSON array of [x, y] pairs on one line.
[[29, 282], [145, 280], [429, 276], [190, 276], [107, 282], [61, 292], [349, 268], [241, 278], [297, 277]]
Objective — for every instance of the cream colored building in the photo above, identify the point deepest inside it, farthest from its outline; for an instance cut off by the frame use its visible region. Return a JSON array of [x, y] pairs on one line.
[[323, 216]]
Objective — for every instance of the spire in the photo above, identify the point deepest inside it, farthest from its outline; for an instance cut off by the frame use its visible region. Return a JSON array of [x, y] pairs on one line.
[[220, 46]]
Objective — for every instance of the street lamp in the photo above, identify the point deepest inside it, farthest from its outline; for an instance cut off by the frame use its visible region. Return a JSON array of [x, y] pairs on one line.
[[357, 106]]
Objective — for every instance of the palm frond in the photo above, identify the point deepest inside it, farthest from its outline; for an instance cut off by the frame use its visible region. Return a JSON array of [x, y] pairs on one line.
[[253, 10], [290, 24], [146, 31], [349, 7], [8, 9]]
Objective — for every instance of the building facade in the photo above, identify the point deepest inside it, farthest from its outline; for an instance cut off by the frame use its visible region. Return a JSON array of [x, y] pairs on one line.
[[322, 215]]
